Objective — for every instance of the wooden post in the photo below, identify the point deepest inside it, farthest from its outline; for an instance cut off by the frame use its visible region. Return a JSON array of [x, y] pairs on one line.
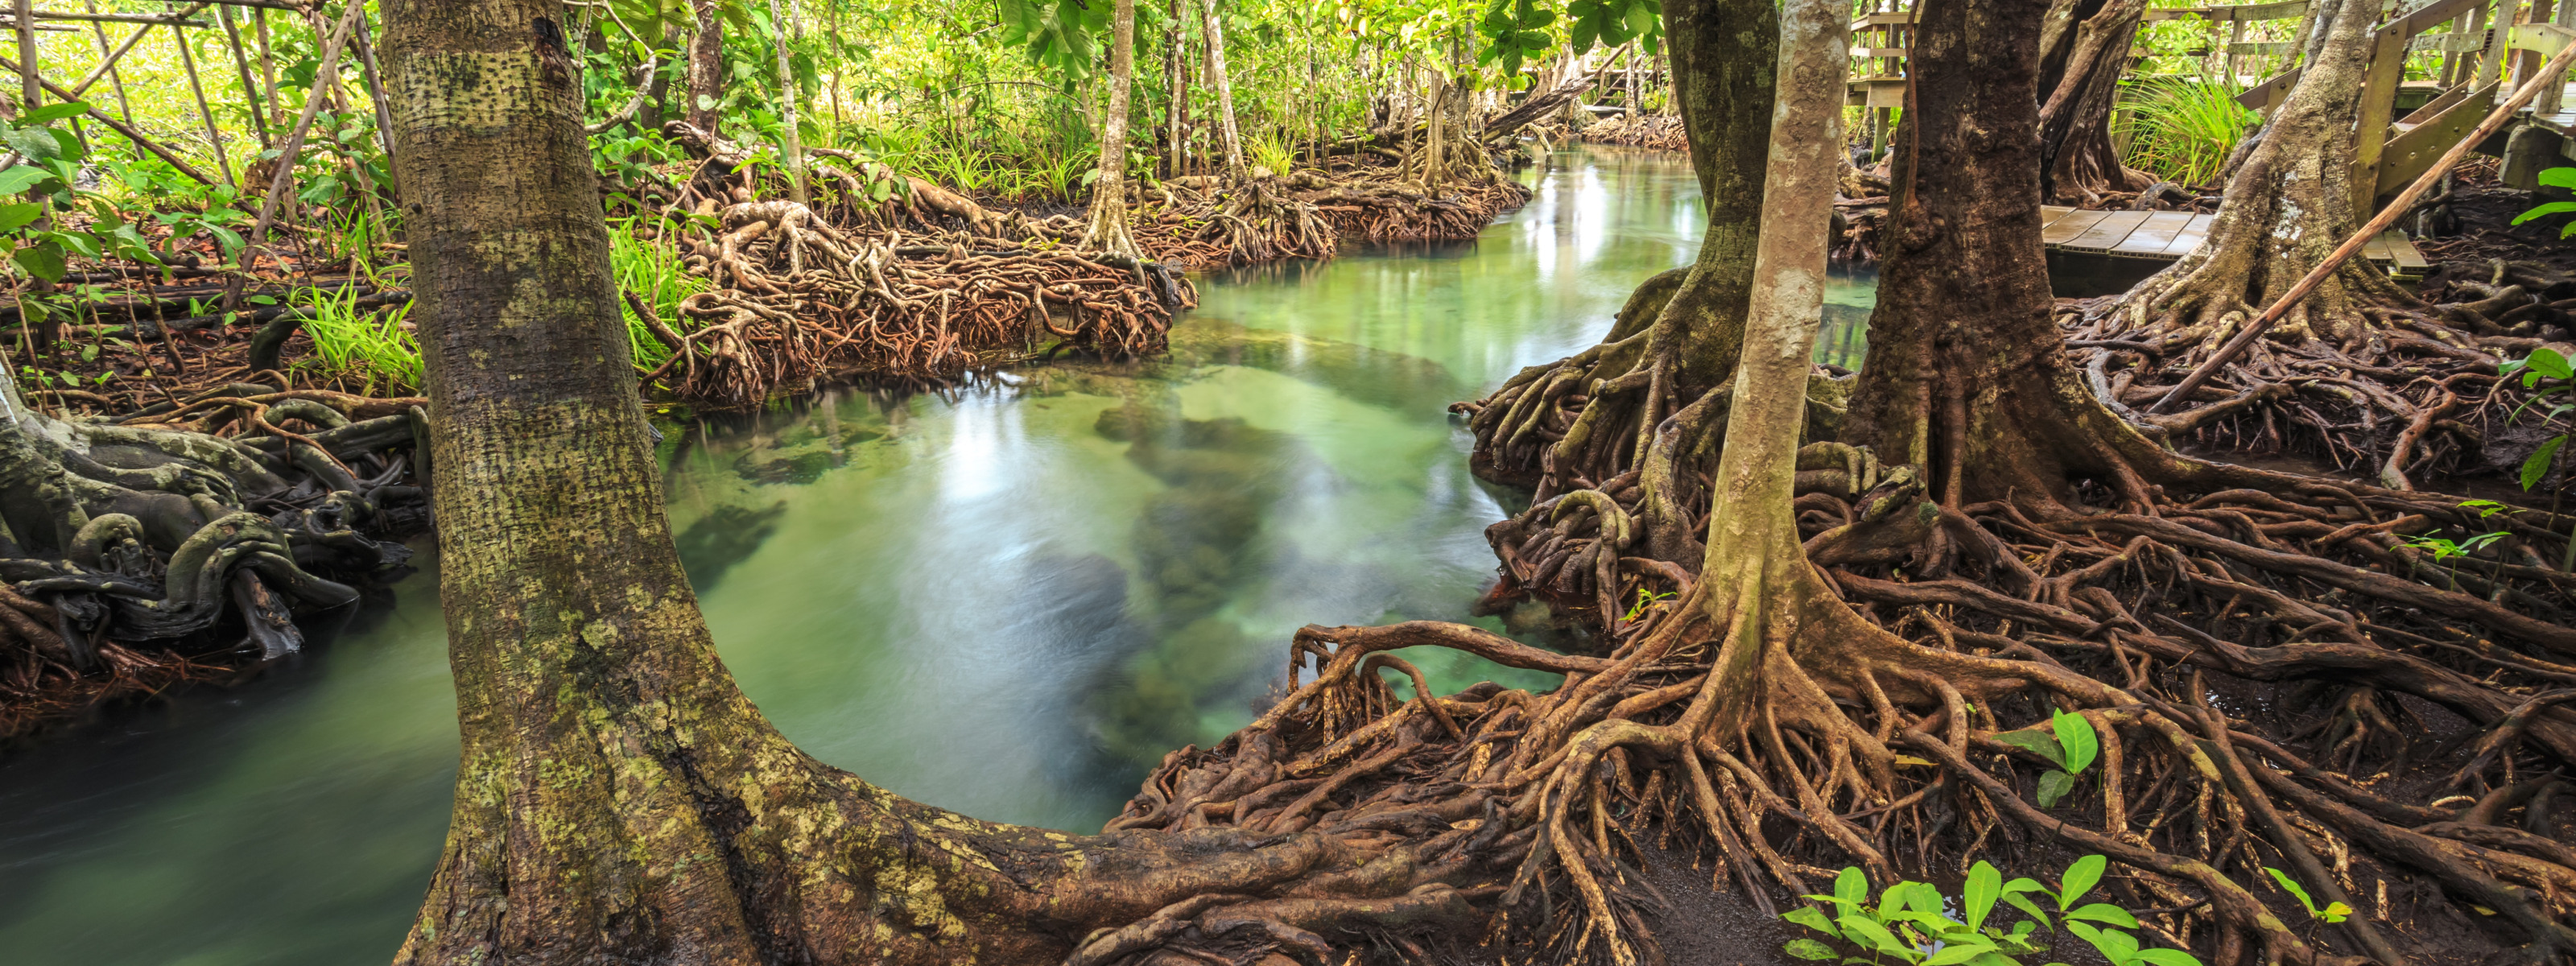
[[2378, 108], [205, 112]]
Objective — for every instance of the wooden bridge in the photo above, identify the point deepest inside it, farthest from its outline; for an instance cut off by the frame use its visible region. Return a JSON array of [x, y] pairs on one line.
[[2105, 252], [2437, 68]]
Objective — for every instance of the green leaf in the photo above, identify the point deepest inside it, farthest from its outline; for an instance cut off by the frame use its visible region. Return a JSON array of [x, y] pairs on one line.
[[1808, 949], [2079, 879], [1812, 918], [2546, 361], [2171, 957], [17, 215], [41, 261], [1851, 887], [2552, 208], [2023, 903], [2104, 912], [2538, 465], [20, 178], [2335, 912], [2116, 946], [2294, 888], [2558, 177], [2075, 734], [2044, 746], [36, 143], [2053, 786], [1984, 885], [1862, 930], [1953, 953]]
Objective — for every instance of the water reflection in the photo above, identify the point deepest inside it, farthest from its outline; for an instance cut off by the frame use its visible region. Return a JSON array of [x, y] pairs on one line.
[[1006, 600]]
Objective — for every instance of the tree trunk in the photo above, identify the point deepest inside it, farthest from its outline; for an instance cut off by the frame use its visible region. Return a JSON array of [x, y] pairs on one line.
[[1231, 137], [2085, 50], [1965, 373], [788, 93], [1108, 220], [2288, 205], [1679, 336], [1176, 86], [706, 67]]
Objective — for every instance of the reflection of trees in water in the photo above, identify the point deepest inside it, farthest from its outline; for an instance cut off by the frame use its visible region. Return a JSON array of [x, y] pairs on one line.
[[726, 536], [1196, 543]]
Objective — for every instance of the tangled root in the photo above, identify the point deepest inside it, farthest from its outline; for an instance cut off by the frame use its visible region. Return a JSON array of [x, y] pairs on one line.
[[1895, 730]]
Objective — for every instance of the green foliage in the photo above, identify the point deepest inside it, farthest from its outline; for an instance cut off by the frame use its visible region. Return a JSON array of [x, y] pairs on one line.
[[2070, 744], [1057, 33], [1645, 599], [2555, 178], [2333, 912], [2549, 372], [1610, 23], [652, 271], [368, 345], [1910, 924], [1514, 30], [2181, 128]]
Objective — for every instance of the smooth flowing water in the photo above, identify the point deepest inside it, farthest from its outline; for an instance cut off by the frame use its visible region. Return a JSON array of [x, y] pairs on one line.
[[1008, 600]]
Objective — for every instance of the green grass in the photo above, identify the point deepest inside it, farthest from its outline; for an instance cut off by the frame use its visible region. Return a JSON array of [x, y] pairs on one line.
[[367, 345], [2180, 128], [651, 270]]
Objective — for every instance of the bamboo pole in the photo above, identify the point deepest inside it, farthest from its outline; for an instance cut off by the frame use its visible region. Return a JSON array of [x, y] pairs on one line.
[[205, 112], [241, 64], [2396, 209], [284, 180]]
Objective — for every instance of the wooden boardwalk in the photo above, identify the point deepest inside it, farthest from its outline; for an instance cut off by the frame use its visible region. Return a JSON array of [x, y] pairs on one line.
[[2164, 236]]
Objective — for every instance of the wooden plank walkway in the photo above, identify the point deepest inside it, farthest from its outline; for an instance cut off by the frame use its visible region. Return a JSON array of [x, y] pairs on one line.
[[2167, 235]]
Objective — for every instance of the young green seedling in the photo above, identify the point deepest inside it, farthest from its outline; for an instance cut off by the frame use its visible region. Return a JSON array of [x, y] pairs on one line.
[[2333, 911], [2071, 746]]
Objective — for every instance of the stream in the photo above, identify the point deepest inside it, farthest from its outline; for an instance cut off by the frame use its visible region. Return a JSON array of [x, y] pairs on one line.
[[1008, 599]]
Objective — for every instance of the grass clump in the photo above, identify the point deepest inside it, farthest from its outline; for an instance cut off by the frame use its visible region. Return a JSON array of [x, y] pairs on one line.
[[2181, 128]]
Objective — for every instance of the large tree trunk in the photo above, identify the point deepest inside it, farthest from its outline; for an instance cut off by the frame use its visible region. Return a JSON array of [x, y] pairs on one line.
[[706, 67], [1679, 335], [2084, 51], [1107, 231], [1965, 373], [2287, 207], [618, 799]]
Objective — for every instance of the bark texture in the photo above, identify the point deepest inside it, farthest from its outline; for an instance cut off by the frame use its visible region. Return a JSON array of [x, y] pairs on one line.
[[2084, 50]]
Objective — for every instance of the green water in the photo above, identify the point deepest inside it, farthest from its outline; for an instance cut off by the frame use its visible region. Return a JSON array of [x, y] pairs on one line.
[[1008, 599]]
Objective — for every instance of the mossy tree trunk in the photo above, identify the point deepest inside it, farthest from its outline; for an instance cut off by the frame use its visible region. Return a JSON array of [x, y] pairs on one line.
[[706, 70]]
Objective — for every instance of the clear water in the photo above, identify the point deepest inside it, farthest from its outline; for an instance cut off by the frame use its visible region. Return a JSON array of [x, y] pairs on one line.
[[1008, 600]]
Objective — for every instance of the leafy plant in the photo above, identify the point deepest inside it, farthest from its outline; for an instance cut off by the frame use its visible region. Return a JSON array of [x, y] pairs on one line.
[[367, 344], [2183, 127], [2333, 912], [1645, 599], [2070, 744], [2554, 178], [1910, 923], [2548, 371]]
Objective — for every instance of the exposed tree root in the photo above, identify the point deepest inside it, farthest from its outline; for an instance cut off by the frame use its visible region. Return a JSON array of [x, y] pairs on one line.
[[1662, 132], [149, 551], [882, 277]]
